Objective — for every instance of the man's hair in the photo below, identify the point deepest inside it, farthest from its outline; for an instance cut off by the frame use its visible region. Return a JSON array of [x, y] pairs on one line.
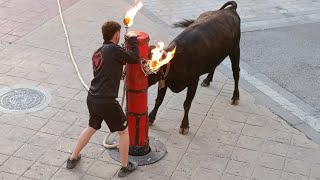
[[109, 28]]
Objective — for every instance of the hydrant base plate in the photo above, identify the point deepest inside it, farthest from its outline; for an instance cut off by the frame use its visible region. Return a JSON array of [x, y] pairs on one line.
[[157, 151]]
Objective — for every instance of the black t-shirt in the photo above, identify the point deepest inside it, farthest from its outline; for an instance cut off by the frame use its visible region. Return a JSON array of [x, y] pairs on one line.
[[107, 64]]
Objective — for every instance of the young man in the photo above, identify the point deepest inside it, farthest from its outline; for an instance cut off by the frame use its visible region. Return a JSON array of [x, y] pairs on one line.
[[107, 64]]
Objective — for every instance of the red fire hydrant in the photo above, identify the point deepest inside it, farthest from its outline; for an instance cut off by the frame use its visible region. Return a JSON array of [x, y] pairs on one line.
[[137, 100]]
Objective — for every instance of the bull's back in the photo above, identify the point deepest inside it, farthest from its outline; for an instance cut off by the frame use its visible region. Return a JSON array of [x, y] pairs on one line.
[[206, 42]]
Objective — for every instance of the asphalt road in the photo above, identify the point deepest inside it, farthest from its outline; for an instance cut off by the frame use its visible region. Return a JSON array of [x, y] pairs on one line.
[[290, 56]]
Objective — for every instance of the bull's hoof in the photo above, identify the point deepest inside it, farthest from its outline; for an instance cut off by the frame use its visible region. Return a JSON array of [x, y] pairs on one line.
[[151, 122], [205, 84], [184, 131], [235, 102]]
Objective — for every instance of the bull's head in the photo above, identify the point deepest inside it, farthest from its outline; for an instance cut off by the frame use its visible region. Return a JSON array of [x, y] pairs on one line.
[[163, 71]]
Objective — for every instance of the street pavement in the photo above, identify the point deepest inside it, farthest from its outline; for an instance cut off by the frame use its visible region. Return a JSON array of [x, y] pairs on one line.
[[225, 142]]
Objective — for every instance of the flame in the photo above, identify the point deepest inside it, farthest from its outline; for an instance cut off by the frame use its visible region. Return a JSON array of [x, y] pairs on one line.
[[157, 53], [128, 19]]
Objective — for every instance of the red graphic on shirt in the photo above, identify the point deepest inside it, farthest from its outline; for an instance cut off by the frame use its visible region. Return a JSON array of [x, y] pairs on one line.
[[97, 61]]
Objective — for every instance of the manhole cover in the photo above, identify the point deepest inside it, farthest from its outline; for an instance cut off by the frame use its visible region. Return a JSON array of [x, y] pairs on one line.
[[22, 99]]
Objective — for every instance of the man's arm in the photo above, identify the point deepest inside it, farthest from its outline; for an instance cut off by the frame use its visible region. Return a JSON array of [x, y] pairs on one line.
[[130, 57]]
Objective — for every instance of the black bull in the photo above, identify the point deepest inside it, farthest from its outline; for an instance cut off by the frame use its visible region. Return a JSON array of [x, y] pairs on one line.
[[201, 47]]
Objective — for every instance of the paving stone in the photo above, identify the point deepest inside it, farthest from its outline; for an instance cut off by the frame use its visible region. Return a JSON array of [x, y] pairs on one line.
[[297, 166], [171, 114], [165, 125], [5, 128], [258, 120], [276, 148], [262, 173], [18, 72], [55, 128], [315, 171], [20, 134], [63, 174], [16, 165], [83, 121], [5, 68], [46, 113], [93, 151], [232, 177], [303, 141], [81, 96], [77, 106], [54, 158], [218, 136], [9, 147], [304, 154], [223, 125], [198, 146], [23, 120], [103, 169], [245, 155], [43, 139], [38, 76], [76, 84], [3, 158], [279, 136], [236, 116], [8, 176], [255, 131], [181, 141], [30, 152], [159, 135], [66, 92], [57, 79], [201, 173], [291, 176], [40, 171], [186, 166], [163, 168], [98, 137], [271, 161], [73, 132], [24, 178], [107, 158], [83, 165], [64, 144], [59, 102], [88, 177], [213, 162], [239, 168], [250, 142]]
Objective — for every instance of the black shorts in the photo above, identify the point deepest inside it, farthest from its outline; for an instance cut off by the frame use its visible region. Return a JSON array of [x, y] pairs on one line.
[[110, 111]]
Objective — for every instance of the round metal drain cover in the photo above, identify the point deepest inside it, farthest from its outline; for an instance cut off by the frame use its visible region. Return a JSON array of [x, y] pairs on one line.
[[22, 99]]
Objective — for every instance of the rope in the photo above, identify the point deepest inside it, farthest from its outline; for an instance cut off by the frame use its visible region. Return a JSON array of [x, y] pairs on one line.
[[109, 146]]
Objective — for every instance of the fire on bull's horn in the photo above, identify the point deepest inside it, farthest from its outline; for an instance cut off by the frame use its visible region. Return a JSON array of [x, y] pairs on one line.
[[159, 56]]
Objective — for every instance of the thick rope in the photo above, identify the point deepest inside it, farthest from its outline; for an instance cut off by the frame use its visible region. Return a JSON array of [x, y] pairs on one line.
[[109, 146]]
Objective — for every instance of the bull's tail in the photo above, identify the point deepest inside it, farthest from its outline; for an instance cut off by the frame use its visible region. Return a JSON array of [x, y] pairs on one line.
[[183, 24], [187, 22], [232, 3]]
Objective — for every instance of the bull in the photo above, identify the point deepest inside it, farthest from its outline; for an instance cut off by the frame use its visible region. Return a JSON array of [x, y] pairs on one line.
[[200, 48]]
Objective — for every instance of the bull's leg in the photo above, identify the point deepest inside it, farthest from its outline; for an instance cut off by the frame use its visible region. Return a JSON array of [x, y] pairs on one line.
[[206, 82], [192, 89], [235, 60], [159, 100]]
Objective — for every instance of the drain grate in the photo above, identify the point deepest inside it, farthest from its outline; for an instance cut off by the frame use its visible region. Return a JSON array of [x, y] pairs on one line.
[[23, 99]]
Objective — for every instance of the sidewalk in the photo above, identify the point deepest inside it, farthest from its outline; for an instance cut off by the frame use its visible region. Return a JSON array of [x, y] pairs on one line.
[[224, 142]]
